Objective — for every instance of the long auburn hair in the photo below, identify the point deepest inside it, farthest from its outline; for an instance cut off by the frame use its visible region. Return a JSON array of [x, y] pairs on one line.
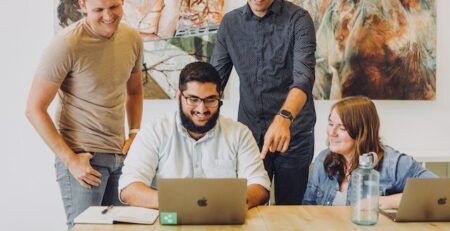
[[359, 116]]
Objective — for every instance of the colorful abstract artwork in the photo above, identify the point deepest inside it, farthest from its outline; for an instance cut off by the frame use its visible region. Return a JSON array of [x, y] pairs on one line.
[[175, 33], [383, 49]]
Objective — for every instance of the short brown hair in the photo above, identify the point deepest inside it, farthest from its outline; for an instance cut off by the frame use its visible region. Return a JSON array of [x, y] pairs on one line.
[[201, 72]]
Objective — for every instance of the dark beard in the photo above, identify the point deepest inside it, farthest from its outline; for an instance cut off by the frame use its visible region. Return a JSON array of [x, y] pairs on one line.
[[192, 127]]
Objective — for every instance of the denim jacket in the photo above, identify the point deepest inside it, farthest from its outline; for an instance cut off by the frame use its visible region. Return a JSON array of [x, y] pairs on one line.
[[395, 168]]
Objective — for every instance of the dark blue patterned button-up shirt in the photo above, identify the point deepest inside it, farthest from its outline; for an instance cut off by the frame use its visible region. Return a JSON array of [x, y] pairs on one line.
[[271, 55]]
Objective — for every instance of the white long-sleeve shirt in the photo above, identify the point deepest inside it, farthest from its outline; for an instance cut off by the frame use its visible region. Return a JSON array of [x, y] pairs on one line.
[[164, 149]]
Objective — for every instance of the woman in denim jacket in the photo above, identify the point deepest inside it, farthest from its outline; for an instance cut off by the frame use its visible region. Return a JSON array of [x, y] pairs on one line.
[[353, 129]]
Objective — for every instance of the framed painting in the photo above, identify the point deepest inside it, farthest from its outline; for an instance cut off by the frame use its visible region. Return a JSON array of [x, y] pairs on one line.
[[383, 49]]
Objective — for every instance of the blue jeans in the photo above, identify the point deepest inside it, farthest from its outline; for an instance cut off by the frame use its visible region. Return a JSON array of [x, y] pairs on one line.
[[77, 198], [291, 169]]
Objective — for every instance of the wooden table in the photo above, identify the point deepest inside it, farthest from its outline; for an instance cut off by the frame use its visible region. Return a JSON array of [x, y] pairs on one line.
[[332, 218], [285, 218]]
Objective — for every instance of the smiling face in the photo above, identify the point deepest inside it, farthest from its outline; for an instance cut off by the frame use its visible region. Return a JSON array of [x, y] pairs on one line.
[[103, 16], [260, 7], [198, 119], [339, 140]]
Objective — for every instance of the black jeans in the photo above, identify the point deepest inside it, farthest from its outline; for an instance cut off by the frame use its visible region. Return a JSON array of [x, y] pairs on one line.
[[291, 169]]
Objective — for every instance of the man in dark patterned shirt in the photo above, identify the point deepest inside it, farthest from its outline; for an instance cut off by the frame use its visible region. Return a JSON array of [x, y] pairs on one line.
[[271, 44]]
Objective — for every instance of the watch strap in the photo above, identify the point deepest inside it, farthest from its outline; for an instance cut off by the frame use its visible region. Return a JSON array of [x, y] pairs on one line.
[[134, 131], [286, 114]]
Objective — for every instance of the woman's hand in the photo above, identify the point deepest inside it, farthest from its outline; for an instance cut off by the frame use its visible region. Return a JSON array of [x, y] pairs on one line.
[[390, 202]]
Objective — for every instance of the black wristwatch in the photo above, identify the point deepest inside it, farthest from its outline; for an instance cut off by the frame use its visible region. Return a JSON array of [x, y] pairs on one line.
[[286, 114]]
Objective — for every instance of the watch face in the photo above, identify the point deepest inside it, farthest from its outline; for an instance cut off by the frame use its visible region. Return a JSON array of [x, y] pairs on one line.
[[286, 114]]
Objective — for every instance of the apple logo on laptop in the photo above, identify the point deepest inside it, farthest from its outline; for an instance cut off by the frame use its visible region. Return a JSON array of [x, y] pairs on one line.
[[202, 202], [442, 201]]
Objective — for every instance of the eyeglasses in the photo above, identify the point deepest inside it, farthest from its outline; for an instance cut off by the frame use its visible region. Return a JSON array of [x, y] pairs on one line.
[[208, 102]]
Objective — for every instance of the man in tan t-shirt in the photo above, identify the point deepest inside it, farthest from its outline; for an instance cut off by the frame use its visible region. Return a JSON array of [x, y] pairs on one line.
[[94, 68]]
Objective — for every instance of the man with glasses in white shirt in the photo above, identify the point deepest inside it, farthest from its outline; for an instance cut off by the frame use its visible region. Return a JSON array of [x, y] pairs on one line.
[[193, 142]]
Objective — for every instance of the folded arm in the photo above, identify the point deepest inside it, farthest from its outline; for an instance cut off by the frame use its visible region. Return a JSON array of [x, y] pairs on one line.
[[140, 168], [141, 195], [251, 167], [391, 201], [256, 195]]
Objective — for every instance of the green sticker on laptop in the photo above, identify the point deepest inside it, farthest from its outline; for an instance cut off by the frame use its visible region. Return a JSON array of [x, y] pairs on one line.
[[167, 218]]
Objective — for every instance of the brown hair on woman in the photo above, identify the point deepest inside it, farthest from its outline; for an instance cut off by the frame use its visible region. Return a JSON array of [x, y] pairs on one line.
[[360, 118]]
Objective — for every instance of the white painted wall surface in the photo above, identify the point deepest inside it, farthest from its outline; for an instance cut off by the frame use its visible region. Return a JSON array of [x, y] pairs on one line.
[[29, 194]]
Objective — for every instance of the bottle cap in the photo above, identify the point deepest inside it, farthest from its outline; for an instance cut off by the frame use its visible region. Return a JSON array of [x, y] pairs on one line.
[[365, 160]]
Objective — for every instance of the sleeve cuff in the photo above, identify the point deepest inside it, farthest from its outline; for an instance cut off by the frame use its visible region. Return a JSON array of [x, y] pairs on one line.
[[124, 182]]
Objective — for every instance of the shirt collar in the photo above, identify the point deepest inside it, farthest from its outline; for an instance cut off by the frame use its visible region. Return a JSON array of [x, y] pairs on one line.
[[88, 29], [275, 8]]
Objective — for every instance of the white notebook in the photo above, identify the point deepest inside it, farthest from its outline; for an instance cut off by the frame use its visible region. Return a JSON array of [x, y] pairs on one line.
[[117, 214]]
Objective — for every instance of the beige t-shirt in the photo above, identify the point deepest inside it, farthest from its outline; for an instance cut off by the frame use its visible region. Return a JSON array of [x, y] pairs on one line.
[[93, 74]]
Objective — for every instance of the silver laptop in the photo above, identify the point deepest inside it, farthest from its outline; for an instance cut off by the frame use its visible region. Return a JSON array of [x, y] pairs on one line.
[[423, 200], [202, 201]]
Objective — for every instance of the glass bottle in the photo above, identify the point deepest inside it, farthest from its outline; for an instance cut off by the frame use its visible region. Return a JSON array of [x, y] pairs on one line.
[[365, 181]]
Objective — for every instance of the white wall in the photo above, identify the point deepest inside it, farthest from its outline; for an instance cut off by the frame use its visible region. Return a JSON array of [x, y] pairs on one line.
[[29, 195]]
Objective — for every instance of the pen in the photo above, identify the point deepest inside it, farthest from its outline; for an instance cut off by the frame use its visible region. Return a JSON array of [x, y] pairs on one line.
[[107, 209]]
